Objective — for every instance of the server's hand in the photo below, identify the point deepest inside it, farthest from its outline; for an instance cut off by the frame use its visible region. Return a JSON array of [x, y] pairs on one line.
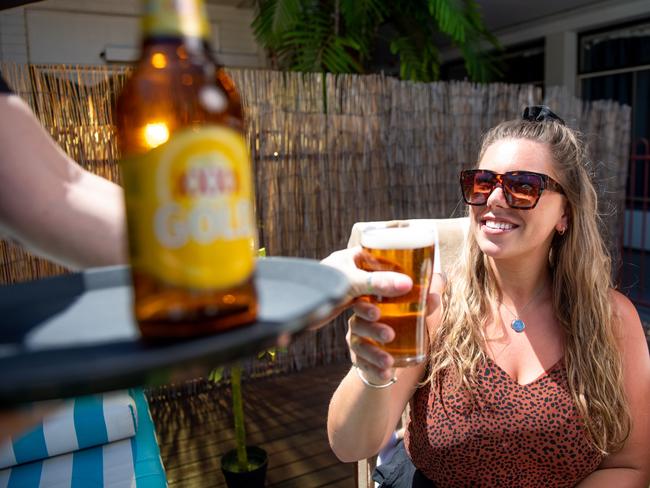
[[381, 283]]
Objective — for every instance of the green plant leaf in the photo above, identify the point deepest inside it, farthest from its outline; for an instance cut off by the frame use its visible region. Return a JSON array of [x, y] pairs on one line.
[[216, 375], [269, 353], [287, 13], [338, 36]]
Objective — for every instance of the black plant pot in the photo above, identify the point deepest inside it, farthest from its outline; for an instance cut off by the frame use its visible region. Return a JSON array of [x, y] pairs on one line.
[[258, 460]]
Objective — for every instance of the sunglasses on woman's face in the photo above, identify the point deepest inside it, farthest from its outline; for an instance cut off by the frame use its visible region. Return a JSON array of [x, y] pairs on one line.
[[522, 189]]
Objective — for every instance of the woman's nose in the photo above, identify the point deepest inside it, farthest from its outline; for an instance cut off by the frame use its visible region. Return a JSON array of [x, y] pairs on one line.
[[497, 198]]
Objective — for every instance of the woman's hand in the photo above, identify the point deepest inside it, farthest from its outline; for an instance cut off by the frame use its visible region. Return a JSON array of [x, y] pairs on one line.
[[364, 330]]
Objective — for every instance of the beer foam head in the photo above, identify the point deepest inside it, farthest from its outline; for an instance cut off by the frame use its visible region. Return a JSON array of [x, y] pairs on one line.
[[411, 237]]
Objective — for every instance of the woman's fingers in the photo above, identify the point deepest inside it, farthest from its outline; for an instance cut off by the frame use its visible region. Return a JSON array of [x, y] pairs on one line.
[[371, 354], [365, 310], [365, 323], [361, 335]]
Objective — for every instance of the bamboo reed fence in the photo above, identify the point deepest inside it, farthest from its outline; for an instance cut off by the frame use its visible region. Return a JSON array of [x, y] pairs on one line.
[[330, 152]]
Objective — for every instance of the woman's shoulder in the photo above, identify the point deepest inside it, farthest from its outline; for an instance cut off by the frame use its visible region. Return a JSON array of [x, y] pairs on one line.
[[627, 324], [623, 310], [636, 377]]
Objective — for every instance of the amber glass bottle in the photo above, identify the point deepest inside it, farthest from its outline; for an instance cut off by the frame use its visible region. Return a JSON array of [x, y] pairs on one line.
[[187, 179]]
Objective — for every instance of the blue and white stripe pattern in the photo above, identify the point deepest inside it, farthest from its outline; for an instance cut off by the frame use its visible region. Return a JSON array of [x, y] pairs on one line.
[[81, 423], [129, 463]]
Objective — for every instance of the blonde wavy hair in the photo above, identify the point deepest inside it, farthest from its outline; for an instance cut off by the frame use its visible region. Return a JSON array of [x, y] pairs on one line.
[[580, 267]]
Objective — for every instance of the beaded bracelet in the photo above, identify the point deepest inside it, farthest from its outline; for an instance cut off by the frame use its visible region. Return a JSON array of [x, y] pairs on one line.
[[372, 385]]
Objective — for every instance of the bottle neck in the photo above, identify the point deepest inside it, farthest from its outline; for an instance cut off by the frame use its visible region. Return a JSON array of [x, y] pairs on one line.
[[175, 19]]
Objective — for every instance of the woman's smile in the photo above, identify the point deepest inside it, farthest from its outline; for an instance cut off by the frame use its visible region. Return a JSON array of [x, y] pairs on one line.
[[496, 226]]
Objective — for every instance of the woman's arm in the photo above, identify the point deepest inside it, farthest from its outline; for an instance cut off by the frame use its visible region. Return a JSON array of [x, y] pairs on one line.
[[630, 467], [361, 419], [49, 203], [614, 477]]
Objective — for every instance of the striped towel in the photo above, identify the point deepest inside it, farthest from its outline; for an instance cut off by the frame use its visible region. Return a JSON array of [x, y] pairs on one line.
[[128, 463], [83, 422]]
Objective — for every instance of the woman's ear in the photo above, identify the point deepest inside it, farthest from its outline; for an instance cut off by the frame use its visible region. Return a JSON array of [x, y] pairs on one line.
[[563, 224]]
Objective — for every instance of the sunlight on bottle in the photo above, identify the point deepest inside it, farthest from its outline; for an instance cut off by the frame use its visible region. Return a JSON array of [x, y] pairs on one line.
[[155, 134], [159, 60]]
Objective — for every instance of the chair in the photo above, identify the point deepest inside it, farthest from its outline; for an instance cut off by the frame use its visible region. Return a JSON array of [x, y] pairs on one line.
[[451, 234], [104, 440]]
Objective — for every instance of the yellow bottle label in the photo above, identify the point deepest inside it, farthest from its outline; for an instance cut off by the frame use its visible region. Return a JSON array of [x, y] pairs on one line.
[[176, 18], [190, 209]]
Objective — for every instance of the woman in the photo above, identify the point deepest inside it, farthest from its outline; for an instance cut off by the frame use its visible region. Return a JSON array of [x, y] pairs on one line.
[[538, 372]]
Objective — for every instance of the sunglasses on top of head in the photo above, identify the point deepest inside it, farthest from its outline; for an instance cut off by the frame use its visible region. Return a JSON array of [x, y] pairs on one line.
[[522, 189]]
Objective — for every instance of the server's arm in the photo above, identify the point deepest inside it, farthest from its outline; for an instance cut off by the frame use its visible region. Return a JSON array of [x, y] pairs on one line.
[[48, 202]]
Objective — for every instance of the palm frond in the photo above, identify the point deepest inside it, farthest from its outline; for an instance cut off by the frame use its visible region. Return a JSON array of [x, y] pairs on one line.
[[358, 14], [275, 18], [417, 63], [339, 36], [450, 18], [361, 20], [287, 14], [263, 22]]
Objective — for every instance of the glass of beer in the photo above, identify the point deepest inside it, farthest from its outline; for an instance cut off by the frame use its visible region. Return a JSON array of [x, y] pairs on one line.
[[408, 250]]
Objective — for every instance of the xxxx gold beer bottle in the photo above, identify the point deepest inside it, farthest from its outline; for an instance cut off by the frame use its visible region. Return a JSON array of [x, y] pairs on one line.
[[187, 179]]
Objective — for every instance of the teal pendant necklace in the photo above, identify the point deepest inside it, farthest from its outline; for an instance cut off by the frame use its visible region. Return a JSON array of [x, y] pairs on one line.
[[517, 324]]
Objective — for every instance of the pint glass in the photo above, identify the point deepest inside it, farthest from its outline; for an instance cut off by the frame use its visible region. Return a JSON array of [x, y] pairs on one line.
[[407, 250]]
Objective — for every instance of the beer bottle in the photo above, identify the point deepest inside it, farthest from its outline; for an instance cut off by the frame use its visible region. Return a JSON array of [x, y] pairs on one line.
[[188, 181]]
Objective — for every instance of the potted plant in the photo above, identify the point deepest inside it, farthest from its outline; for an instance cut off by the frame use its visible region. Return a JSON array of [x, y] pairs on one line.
[[245, 466]]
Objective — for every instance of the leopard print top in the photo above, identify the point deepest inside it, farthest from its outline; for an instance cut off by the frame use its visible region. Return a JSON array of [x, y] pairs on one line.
[[511, 435]]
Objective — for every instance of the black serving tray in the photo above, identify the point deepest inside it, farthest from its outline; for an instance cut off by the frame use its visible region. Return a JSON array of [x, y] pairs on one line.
[[75, 334]]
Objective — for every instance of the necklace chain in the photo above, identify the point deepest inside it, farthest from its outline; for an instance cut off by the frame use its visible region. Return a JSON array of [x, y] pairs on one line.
[[517, 324]]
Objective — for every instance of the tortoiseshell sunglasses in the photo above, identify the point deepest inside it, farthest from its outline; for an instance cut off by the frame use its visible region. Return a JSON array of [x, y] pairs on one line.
[[522, 189]]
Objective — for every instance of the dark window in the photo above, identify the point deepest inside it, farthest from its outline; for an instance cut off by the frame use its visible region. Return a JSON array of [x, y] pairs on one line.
[[614, 66], [617, 87], [624, 47]]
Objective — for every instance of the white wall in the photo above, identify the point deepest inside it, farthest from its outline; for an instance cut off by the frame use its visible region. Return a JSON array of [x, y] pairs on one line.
[[13, 44], [77, 31], [561, 60]]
